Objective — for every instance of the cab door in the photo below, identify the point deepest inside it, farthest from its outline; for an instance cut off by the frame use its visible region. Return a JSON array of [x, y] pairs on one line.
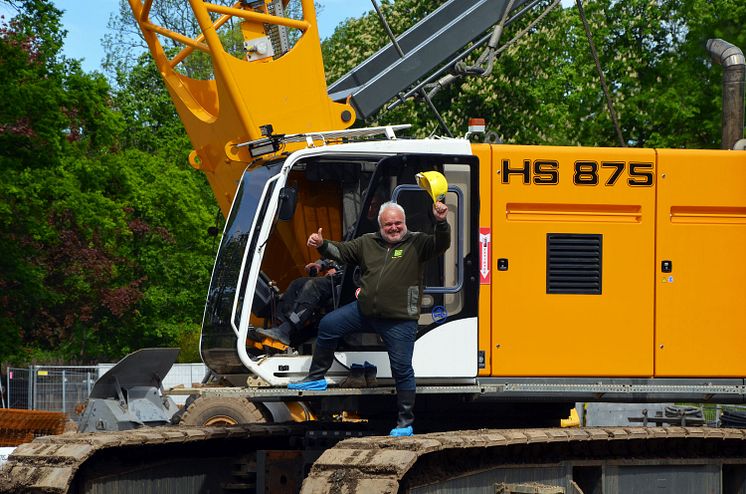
[[446, 345]]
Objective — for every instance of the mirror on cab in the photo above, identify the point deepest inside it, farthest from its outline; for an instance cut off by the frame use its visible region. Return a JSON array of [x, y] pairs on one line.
[[288, 201]]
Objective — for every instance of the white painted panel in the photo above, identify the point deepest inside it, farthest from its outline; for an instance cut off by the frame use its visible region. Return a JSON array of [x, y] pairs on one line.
[[448, 351]]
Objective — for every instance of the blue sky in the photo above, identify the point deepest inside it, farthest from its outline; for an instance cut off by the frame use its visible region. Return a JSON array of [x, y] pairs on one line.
[[86, 20]]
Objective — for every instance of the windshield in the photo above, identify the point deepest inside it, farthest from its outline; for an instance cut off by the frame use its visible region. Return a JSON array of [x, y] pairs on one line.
[[229, 276]]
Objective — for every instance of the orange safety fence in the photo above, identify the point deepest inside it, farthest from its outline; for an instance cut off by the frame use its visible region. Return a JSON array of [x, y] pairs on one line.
[[22, 426]]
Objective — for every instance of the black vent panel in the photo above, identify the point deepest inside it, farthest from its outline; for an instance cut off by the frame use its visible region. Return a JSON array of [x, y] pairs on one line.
[[574, 263]]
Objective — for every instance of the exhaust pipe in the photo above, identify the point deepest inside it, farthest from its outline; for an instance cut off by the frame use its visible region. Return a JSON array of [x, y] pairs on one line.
[[734, 77]]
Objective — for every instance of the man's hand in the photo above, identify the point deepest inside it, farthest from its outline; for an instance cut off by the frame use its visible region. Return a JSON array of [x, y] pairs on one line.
[[316, 239], [440, 211], [313, 265], [314, 268]]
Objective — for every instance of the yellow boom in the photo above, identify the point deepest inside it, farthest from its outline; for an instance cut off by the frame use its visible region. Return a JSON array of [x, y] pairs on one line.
[[264, 87]]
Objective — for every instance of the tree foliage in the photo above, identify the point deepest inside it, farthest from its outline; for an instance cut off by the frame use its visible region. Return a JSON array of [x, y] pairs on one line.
[[103, 221], [544, 88]]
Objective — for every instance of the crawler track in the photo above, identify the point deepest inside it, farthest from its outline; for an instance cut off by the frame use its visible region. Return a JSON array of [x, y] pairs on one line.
[[97, 462], [80, 462], [391, 465]]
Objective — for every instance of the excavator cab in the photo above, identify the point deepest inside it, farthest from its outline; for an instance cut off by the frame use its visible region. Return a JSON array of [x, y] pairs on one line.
[[327, 195], [338, 189], [347, 207]]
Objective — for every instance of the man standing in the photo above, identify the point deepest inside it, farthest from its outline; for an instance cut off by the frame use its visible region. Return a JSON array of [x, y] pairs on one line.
[[392, 263]]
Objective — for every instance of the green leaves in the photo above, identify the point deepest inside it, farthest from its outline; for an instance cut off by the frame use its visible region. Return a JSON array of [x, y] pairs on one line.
[[544, 89], [102, 220]]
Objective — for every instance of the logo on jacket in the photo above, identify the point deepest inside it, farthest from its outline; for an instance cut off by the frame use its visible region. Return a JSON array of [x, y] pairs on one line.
[[397, 253]]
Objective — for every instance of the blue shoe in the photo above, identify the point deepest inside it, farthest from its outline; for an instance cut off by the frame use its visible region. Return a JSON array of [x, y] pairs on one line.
[[317, 385], [402, 431]]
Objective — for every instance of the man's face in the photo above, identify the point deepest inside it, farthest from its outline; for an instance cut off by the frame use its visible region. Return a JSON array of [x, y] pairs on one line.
[[393, 227]]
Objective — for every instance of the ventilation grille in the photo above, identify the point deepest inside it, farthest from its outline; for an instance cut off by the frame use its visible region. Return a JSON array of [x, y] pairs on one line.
[[574, 263]]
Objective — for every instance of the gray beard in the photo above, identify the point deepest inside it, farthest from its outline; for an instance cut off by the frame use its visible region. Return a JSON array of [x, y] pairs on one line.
[[387, 239]]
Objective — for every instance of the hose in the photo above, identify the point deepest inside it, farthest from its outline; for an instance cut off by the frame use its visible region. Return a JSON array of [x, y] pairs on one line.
[[732, 418]]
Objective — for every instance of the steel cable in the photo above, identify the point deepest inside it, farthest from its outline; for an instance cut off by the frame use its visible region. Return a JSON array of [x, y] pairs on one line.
[[605, 88]]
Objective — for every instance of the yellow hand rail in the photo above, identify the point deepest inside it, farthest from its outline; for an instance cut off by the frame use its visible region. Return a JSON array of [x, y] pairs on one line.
[[258, 17]]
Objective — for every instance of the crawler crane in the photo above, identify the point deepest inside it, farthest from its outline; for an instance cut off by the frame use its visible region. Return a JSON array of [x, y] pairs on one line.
[[575, 274]]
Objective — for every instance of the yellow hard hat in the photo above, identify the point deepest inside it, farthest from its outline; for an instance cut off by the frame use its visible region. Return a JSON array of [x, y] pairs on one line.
[[434, 183]]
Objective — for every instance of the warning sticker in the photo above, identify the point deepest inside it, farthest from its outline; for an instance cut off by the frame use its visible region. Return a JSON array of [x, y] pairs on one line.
[[485, 257]]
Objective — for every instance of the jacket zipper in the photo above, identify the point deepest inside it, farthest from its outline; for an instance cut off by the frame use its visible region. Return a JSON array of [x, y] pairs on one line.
[[375, 298]]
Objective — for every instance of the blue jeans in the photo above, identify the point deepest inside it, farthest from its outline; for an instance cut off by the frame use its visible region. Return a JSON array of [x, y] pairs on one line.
[[397, 334]]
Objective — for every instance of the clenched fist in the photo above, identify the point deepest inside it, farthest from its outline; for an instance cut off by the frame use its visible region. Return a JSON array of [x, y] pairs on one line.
[[440, 211]]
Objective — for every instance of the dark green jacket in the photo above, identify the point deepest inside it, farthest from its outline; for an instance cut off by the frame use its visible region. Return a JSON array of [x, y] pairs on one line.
[[391, 281]]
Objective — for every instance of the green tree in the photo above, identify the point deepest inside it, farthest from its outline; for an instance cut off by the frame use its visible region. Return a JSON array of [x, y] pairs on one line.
[[102, 220], [150, 120], [52, 112], [544, 88]]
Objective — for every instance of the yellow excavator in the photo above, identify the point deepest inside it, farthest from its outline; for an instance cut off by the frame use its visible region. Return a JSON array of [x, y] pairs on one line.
[[574, 274]]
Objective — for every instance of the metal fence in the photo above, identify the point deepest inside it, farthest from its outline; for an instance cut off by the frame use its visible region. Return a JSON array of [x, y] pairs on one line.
[[66, 388], [51, 388]]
